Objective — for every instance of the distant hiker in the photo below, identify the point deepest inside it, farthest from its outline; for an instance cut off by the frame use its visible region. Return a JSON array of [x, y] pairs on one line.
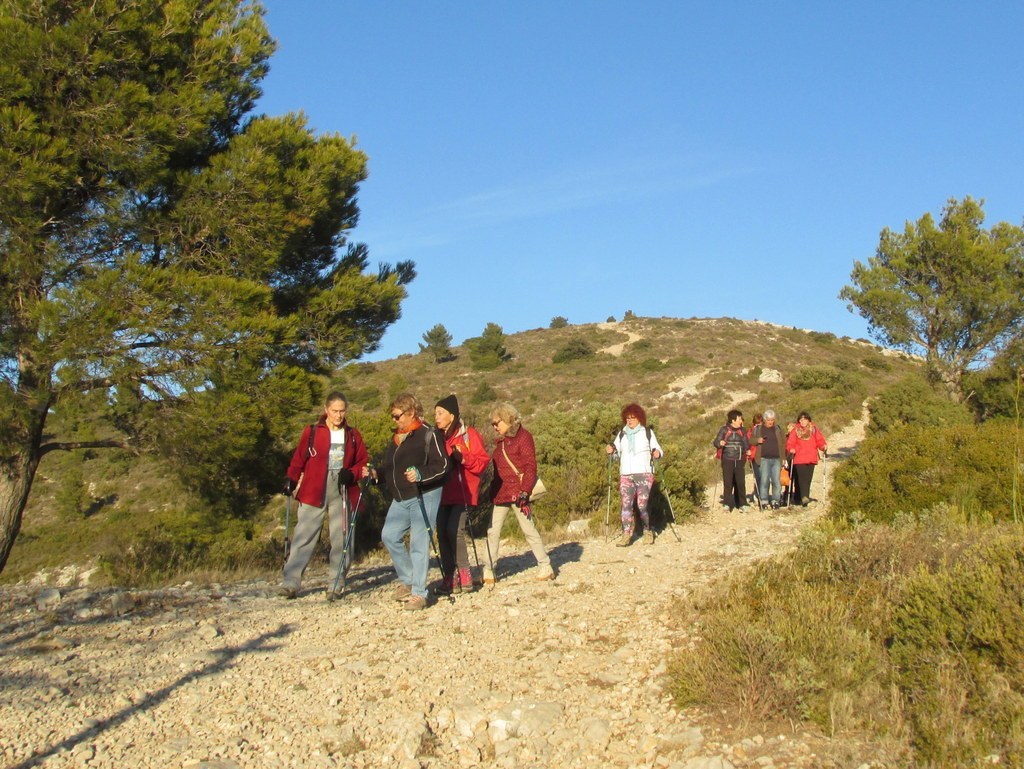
[[637, 448], [768, 442], [324, 477], [515, 473], [414, 468], [803, 445], [469, 459], [731, 446]]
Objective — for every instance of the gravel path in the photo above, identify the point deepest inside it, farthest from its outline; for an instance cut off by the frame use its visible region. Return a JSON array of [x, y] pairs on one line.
[[567, 673]]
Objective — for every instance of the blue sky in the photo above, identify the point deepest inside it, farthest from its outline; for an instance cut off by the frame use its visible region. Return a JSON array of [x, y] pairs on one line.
[[680, 159]]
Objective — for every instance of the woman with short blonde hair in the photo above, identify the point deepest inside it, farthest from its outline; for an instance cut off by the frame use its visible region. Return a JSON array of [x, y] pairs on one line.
[[515, 473]]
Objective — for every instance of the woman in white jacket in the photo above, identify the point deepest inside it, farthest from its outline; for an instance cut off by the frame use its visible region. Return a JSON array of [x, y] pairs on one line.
[[637, 447]]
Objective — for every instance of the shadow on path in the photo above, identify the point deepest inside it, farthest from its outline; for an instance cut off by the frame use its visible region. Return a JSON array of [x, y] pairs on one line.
[[225, 659]]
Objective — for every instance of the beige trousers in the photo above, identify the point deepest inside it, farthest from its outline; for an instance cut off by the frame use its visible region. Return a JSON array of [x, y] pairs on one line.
[[529, 531]]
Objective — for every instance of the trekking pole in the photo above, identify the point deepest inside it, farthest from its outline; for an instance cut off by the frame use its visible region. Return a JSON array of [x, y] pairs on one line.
[[757, 486], [608, 509], [464, 485], [792, 483], [426, 522], [490, 559], [824, 474], [341, 578], [287, 526], [472, 539], [671, 511]]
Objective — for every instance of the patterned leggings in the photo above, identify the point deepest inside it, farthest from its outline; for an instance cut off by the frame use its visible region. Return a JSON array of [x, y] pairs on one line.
[[639, 486]]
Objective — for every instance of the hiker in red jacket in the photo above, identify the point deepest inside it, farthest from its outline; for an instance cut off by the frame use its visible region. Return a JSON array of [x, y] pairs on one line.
[[468, 458], [803, 445], [324, 477]]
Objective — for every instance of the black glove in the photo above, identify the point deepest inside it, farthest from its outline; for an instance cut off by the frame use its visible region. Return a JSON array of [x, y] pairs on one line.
[[289, 487], [456, 457], [345, 477]]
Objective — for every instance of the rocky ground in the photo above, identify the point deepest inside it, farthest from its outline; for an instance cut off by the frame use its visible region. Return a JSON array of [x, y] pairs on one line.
[[569, 673]]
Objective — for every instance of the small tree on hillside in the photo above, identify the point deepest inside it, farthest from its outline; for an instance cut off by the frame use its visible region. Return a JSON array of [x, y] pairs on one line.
[[487, 351], [438, 343], [559, 321], [575, 349], [953, 290]]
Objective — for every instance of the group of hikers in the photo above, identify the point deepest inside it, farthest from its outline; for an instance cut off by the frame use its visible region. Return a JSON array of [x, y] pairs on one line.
[[780, 459], [433, 476]]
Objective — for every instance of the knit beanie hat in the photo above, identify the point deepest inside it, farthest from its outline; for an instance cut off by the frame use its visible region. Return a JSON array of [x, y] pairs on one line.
[[451, 405]]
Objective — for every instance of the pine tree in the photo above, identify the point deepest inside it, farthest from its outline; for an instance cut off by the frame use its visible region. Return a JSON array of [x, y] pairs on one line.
[[438, 343], [162, 248]]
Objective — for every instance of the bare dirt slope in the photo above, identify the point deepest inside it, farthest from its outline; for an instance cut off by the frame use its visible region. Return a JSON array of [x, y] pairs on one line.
[[562, 674]]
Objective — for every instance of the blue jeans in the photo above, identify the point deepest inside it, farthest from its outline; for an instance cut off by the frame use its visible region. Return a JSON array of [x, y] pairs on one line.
[[405, 516], [769, 477]]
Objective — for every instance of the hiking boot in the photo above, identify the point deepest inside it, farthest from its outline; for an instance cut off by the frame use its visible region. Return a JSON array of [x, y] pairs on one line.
[[334, 595], [545, 575], [488, 581], [649, 537], [402, 592], [444, 587], [744, 509], [625, 540], [287, 592], [415, 603], [464, 578]]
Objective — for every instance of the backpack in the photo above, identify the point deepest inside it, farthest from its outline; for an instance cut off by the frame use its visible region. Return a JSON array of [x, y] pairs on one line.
[[728, 431]]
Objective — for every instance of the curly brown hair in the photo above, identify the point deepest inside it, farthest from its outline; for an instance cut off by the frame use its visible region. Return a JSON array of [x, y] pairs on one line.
[[634, 410]]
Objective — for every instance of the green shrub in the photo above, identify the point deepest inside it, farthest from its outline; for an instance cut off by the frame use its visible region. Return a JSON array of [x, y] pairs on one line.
[[876, 363], [860, 629], [575, 349], [648, 365], [483, 393], [177, 543], [821, 377], [822, 337], [915, 468], [958, 650], [913, 401], [775, 645], [559, 321]]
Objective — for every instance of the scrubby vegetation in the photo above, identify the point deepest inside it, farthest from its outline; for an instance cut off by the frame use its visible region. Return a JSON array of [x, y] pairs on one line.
[[898, 620]]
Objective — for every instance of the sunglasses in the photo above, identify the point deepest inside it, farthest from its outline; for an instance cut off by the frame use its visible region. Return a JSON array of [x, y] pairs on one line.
[[399, 415]]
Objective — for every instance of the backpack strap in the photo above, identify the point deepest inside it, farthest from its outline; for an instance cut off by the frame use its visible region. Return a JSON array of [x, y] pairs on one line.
[[310, 451]]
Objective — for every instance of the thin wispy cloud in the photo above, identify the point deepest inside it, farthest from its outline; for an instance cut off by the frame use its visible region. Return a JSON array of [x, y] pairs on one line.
[[559, 193]]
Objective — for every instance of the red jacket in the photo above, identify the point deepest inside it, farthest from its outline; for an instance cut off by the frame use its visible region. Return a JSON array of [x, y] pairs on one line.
[[805, 449], [309, 468], [462, 486], [520, 448]]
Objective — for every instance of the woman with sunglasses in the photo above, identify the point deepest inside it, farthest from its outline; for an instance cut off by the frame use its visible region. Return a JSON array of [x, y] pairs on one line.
[[414, 468], [515, 473]]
